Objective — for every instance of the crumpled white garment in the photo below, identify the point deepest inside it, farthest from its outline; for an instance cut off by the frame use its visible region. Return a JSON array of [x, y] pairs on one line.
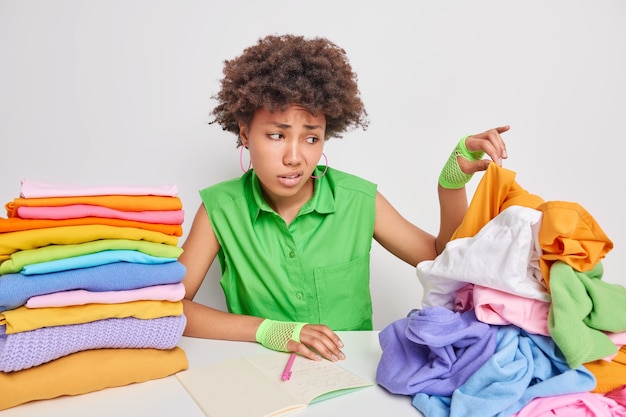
[[503, 255]]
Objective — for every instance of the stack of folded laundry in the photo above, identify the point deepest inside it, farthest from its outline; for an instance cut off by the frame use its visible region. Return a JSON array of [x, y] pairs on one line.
[[517, 319], [90, 289]]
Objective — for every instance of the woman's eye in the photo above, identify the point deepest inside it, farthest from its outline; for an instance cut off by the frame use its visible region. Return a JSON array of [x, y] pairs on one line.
[[275, 136], [312, 139]]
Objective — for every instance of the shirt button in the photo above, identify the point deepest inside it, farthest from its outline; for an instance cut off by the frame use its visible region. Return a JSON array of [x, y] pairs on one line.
[[299, 296], [292, 254]]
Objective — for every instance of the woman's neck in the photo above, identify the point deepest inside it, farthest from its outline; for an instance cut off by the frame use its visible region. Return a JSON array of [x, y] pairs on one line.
[[289, 207]]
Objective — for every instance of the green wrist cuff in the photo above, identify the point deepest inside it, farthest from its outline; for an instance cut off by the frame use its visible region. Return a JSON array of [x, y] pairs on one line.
[[461, 150], [451, 175], [276, 334]]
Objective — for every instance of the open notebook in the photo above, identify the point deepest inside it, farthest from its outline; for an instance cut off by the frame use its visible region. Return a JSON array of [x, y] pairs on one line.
[[252, 386]]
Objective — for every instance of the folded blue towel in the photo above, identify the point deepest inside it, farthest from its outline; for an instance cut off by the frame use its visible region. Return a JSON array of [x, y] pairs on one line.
[[94, 259], [16, 289]]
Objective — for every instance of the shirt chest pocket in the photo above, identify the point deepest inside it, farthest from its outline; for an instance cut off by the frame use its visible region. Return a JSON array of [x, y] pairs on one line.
[[343, 294]]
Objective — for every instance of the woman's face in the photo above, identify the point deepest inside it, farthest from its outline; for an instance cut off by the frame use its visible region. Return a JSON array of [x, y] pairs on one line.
[[285, 148]]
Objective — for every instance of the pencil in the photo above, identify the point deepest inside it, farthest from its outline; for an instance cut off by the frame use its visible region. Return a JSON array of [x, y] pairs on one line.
[[287, 371]]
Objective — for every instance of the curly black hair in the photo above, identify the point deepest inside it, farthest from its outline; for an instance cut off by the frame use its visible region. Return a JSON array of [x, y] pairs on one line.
[[283, 70]]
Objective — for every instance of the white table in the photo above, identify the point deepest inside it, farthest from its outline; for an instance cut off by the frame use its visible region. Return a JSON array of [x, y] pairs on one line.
[[166, 397]]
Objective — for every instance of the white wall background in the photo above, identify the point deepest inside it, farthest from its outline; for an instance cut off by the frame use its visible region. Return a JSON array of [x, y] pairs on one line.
[[118, 92]]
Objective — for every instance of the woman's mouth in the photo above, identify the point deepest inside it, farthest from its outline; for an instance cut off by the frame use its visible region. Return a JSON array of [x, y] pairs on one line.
[[290, 180]]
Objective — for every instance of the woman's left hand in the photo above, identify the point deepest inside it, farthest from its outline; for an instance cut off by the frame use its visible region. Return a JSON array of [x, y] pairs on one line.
[[490, 142]]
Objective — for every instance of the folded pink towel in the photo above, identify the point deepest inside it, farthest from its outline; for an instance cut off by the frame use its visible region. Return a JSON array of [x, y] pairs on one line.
[[77, 211], [39, 189], [165, 292]]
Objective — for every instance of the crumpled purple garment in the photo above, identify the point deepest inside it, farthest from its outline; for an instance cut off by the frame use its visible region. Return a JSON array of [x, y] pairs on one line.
[[433, 351], [525, 366]]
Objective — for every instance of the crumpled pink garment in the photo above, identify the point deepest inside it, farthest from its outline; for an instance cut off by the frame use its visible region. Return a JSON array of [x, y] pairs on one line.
[[584, 404], [618, 395], [501, 308]]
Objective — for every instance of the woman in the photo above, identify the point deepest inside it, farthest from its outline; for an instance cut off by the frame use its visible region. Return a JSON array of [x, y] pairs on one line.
[[293, 239]]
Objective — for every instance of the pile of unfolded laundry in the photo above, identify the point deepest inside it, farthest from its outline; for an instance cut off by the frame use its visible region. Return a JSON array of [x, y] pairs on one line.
[[90, 289], [516, 319]]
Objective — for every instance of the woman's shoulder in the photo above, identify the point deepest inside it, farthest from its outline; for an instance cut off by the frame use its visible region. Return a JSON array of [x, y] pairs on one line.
[[222, 192], [348, 181], [223, 185]]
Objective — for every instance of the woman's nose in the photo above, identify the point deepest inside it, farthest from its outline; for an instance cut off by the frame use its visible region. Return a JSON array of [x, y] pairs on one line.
[[292, 155]]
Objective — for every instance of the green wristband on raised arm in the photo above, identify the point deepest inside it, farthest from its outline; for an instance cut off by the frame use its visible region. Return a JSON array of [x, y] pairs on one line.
[[451, 175], [276, 334]]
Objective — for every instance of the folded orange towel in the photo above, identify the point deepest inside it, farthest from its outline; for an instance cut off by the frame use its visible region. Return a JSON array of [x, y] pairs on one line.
[[16, 224], [117, 202], [88, 371]]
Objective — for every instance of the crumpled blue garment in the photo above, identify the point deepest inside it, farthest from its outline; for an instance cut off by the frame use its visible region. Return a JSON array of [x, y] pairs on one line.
[[433, 351], [524, 366]]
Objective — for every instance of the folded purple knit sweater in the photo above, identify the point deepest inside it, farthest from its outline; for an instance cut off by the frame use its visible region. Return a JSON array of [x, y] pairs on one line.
[[28, 349]]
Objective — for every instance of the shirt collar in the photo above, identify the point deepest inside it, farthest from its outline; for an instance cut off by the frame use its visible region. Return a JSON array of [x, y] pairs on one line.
[[322, 201]]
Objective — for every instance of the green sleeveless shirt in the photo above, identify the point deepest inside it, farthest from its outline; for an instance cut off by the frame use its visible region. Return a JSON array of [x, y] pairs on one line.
[[316, 270]]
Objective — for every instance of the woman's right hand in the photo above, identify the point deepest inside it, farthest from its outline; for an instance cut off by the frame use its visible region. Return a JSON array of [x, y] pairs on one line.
[[318, 341]]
